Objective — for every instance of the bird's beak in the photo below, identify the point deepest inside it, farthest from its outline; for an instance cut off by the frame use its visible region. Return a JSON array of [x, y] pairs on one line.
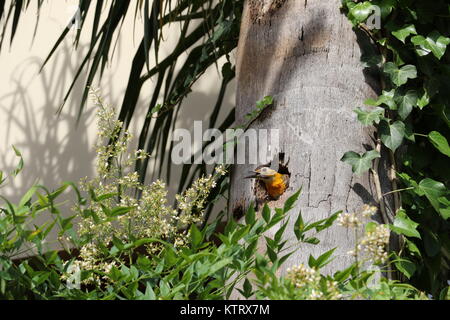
[[254, 174]]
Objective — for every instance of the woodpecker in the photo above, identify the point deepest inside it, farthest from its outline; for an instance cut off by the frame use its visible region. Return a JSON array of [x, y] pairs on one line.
[[275, 182]]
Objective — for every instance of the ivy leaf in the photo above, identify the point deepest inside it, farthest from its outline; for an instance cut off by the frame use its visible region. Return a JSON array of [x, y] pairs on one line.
[[435, 43], [404, 225], [400, 76], [412, 248], [360, 12], [424, 100], [386, 6], [444, 210], [433, 190], [392, 134], [409, 134], [404, 32], [431, 243], [367, 118], [405, 266], [406, 103], [410, 182], [387, 98], [360, 163], [439, 142]]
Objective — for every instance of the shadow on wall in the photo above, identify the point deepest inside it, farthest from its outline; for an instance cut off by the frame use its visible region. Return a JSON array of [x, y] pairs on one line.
[[54, 148]]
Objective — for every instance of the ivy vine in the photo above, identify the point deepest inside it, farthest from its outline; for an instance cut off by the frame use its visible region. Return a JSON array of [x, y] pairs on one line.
[[411, 114]]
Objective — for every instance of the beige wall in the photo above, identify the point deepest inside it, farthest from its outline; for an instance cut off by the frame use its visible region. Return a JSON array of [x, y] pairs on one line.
[[54, 149]]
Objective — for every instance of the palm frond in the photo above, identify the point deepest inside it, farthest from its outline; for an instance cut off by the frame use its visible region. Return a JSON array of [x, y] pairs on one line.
[[209, 30]]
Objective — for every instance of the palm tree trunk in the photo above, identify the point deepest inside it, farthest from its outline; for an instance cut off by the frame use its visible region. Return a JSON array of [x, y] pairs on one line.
[[306, 55]]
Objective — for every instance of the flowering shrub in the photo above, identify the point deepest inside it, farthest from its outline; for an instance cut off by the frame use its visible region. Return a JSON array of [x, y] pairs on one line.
[[115, 215]]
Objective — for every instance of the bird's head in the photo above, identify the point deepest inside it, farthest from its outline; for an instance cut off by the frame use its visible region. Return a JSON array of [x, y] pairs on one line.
[[262, 173]]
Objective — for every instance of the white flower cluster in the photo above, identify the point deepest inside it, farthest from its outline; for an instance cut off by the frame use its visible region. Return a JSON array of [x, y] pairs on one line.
[[375, 240], [308, 280], [368, 211], [349, 220], [374, 244], [302, 276]]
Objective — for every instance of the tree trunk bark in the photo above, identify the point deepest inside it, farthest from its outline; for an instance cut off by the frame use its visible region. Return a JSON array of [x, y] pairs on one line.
[[306, 55]]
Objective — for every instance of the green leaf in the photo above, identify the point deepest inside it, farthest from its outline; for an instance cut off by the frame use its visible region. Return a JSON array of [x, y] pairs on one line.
[[66, 223], [406, 103], [164, 288], [271, 253], [424, 100], [248, 290], [299, 226], [106, 196], [196, 236], [340, 276], [250, 216], [392, 134], [266, 101], [120, 211], [400, 76], [240, 233], [279, 234], [40, 277], [312, 240], [412, 248], [405, 266], [433, 190], [19, 166], [324, 223], [117, 242], [219, 265], [288, 205], [444, 207], [322, 260], [432, 243], [156, 108], [404, 225], [439, 142], [149, 293], [435, 43], [360, 12], [367, 118], [360, 163], [404, 32], [370, 226], [387, 98], [27, 197], [266, 213]]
